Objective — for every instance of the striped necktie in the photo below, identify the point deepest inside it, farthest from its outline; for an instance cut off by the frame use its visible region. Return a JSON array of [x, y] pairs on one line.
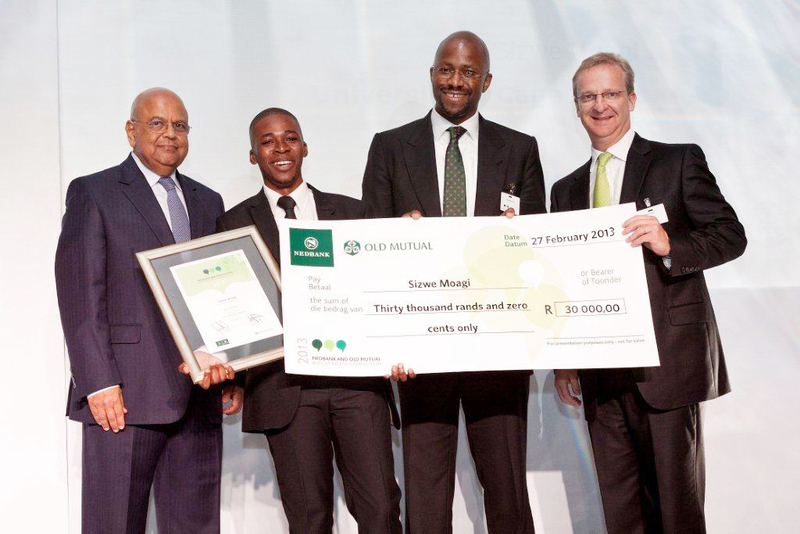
[[178, 219]]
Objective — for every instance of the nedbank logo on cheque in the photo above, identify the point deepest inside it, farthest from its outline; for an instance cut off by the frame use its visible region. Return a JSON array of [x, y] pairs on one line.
[[311, 247]]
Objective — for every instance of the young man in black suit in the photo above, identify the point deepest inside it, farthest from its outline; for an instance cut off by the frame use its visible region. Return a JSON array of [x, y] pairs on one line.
[[307, 419], [645, 423], [453, 162]]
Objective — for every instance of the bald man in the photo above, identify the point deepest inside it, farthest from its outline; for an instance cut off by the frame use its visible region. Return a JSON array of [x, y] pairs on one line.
[[453, 163], [143, 421]]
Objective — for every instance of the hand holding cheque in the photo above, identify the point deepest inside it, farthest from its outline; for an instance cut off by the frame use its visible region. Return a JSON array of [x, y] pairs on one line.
[[563, 290]]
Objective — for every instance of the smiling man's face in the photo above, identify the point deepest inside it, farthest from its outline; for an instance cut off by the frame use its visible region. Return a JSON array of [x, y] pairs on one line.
[[277, 147], [459, 77], [160, 151], [605, 121]]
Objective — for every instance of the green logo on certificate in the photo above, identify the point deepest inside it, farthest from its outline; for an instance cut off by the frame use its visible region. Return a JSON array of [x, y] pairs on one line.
[[311, 247]]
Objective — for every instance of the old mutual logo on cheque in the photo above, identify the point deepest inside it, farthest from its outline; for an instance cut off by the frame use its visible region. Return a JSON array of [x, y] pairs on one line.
[[311, 247], [352, 247]]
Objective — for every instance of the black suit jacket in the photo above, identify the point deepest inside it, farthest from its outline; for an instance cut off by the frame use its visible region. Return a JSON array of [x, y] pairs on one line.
[[401, 171], [704, 232], [114, 330], [271, 397]]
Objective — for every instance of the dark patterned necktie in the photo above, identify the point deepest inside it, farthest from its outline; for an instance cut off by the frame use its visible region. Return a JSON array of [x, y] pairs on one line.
[[455, 180], [287, 204], [178, 219]]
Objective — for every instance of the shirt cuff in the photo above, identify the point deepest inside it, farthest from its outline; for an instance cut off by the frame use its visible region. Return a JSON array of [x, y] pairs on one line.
[[667, 261], [90, 395]]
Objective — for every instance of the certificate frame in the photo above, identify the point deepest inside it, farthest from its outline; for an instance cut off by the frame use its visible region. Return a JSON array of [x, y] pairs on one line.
[[156, 264]]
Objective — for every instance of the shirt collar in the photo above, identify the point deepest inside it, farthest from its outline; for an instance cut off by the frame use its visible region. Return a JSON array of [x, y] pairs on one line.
[[300, 195], [441, 125], [619, 149], [151, 177]]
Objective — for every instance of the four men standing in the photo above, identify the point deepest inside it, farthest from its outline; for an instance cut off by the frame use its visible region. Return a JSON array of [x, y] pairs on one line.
[[143, 421]]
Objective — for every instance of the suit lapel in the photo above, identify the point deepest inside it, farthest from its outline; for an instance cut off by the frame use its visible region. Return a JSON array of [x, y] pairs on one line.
[[491, 179], [138, 191], [264, 220], [420, 158], [579, 191], [193, 207], [635, 169], [326, 211]]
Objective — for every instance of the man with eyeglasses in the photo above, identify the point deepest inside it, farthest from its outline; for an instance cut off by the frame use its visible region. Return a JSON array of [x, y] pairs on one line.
[[454, 163], [143, 422], [645, 423]]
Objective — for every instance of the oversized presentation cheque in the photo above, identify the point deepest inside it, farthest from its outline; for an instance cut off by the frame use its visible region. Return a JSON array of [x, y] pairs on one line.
[[560, 290]]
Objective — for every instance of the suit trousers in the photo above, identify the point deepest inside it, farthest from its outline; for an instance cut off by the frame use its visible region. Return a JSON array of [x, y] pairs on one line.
[[495, 411], [650, 463], [184, 459], [353, 426]]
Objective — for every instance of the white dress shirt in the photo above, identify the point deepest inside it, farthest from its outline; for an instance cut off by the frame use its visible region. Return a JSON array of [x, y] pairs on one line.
[[615, 168], [615, 172], [306, 208], [467, 144], [158, 189]]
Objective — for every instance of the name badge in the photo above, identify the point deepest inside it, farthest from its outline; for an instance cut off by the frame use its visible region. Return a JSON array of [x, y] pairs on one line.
[[507, 200], [656, 211]]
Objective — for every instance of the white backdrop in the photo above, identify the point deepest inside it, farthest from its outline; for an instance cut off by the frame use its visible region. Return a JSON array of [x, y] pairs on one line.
[[722, 74]]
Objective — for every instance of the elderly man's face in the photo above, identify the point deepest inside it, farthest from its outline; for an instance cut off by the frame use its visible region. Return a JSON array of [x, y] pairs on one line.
[[152, 133], [458, 78], [606, 121], [277, 147]]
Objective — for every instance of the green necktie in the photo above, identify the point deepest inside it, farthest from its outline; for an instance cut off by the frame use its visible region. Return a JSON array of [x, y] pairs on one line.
[[455, 180], [602, 191]]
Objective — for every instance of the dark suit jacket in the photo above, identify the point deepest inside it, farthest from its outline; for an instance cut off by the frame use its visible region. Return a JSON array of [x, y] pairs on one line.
[[401, 171], [704, 232], [271, 397], [114, 330]]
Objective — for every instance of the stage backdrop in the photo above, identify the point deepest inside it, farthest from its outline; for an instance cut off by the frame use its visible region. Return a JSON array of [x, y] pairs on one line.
[[723, 74]]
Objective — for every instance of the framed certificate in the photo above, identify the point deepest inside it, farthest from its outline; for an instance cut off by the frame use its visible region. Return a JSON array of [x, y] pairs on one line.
[[220, 296]]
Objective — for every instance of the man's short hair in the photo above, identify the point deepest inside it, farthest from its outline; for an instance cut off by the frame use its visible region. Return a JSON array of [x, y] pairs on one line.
[[272, 111], [604, 58], [465, 35]]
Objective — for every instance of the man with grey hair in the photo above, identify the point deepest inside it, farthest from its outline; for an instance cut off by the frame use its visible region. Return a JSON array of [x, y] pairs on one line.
[[644, 423], [144, 424]]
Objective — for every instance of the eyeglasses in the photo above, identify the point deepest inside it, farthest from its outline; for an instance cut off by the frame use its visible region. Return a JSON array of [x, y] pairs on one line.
[[160, 126], [448, 72], [611, 96]]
